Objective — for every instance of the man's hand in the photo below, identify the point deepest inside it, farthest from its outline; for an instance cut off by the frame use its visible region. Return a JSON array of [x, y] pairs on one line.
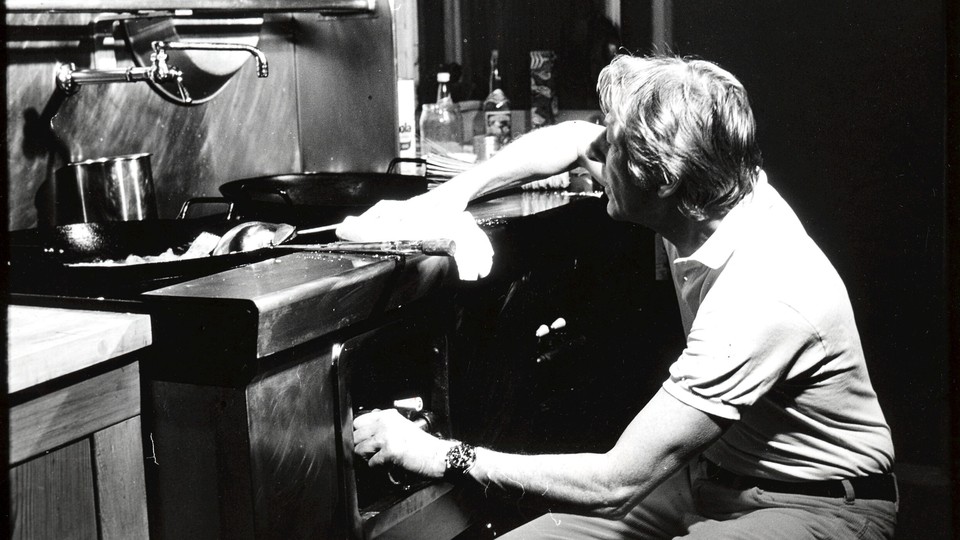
[[421, 219], [387, 438]]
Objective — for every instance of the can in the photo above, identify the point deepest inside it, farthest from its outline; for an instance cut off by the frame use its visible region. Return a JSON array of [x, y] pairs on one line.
[[485, 146]]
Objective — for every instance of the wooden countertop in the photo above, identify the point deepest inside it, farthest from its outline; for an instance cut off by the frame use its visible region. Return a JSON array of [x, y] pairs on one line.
[[45, 343]]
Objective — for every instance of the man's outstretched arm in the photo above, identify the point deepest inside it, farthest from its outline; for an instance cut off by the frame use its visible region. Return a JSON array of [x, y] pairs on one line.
[[663, 437]]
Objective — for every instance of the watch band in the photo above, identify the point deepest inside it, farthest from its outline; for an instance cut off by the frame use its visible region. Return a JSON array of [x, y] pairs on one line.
[[459, 459]]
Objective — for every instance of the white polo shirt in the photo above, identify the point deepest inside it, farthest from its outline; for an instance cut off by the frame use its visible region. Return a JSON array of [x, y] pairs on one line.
[[772, 343]]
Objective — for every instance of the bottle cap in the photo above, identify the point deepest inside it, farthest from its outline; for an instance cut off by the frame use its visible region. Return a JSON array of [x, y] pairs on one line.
[[443, 76]]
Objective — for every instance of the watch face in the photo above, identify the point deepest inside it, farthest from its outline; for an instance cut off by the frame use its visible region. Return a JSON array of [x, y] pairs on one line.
[[460, 458]]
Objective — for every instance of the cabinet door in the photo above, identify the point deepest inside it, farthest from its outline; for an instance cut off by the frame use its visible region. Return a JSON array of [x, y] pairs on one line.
[[52, 495], [71, 491]]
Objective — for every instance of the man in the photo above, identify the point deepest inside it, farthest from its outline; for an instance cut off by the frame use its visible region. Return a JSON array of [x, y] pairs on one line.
[[768, 426]]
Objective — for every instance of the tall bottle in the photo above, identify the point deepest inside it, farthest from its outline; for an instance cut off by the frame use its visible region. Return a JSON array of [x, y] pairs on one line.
[[441, 125], [496, 108]]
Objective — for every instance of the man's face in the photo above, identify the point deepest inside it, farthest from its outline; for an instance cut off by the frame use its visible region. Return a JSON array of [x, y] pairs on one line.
[[628, 198]]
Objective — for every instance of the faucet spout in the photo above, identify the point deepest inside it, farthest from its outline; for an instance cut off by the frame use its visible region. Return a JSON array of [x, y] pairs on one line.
[[263, 68]]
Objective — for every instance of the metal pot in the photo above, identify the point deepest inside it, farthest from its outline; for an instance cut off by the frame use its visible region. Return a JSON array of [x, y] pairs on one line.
[[116, 188]]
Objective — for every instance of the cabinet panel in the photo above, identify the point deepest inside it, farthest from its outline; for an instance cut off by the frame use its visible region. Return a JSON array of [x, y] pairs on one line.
[[52, 495], [118, 458], [73, 412]]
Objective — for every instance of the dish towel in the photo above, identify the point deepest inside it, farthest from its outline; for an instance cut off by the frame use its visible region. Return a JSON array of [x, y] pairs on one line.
[[407, 220]]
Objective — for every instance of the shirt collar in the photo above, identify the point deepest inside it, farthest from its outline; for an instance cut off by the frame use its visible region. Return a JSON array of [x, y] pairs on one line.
[[715, 252]]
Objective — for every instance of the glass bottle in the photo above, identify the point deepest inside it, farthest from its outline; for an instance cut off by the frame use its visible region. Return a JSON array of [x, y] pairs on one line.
[[496, 108], [441, 125]]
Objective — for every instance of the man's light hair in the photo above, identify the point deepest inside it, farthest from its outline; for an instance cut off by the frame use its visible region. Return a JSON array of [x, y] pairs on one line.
[[687, 122]]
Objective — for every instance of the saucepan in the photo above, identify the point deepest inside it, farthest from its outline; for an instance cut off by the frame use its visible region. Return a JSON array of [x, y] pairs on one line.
[[118, 188]]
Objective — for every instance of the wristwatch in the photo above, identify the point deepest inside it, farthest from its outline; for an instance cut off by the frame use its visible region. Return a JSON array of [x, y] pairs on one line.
[[460, 457]]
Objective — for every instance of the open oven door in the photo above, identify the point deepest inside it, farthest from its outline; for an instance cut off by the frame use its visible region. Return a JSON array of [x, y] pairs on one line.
[[399, 362]]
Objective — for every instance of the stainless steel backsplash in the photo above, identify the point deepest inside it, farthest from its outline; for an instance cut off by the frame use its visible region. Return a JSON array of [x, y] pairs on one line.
[[329, 104]]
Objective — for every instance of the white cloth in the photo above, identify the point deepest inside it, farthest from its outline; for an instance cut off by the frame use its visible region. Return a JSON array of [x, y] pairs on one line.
[[772, 342], [406, 220]]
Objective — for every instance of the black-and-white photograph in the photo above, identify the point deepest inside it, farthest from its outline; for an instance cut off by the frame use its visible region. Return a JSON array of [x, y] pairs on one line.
[[481, 269]]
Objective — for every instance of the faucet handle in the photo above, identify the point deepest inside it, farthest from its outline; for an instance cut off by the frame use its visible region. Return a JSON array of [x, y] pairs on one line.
[[184, 95], [162, 72]]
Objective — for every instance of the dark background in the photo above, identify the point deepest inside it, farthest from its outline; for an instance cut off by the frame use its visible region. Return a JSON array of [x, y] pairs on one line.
[[856, 130], [850, 100]]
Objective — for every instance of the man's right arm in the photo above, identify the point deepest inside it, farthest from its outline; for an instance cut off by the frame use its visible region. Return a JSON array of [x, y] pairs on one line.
[[534, 156], [439, 213]]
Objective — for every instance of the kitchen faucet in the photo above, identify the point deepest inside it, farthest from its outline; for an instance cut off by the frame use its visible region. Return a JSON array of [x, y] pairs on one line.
[[70, 79], [263, 69]]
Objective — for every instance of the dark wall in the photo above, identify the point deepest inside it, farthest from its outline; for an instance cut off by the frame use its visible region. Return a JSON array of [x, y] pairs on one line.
[[850, 103], [576, 30]]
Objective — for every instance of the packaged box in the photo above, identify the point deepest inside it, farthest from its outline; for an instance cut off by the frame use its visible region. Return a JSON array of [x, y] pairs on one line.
[[543, 98]]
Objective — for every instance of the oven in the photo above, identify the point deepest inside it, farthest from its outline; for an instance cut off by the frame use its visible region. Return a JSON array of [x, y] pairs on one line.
[[402, 364], [255, 378]]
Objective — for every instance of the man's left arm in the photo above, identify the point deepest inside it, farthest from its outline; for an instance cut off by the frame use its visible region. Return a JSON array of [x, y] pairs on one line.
[[663, 437]]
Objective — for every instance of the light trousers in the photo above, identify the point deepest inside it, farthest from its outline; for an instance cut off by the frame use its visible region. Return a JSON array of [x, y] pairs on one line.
[[691, 506]]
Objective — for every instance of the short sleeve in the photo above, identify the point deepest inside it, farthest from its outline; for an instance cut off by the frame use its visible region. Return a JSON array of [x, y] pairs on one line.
[[734, 355]]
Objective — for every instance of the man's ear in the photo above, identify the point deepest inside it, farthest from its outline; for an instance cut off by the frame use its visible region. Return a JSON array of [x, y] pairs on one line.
[[666, 190]]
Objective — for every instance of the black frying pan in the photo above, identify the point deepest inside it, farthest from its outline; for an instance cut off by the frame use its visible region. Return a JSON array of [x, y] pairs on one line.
[[41, 260], [316, 199]]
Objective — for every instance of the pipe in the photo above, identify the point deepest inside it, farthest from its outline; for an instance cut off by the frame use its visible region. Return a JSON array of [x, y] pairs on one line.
[[70, 79]]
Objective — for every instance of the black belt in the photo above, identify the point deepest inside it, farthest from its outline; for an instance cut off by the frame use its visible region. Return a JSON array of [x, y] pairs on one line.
[[875, 486]]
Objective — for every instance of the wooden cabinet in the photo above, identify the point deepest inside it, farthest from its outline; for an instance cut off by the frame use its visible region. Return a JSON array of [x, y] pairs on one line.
[[76, 452]]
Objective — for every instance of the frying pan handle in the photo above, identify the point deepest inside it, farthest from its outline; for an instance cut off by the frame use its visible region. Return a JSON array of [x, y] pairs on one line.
[[206, 200], [266, 190], [395, 162], [440, 246]]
